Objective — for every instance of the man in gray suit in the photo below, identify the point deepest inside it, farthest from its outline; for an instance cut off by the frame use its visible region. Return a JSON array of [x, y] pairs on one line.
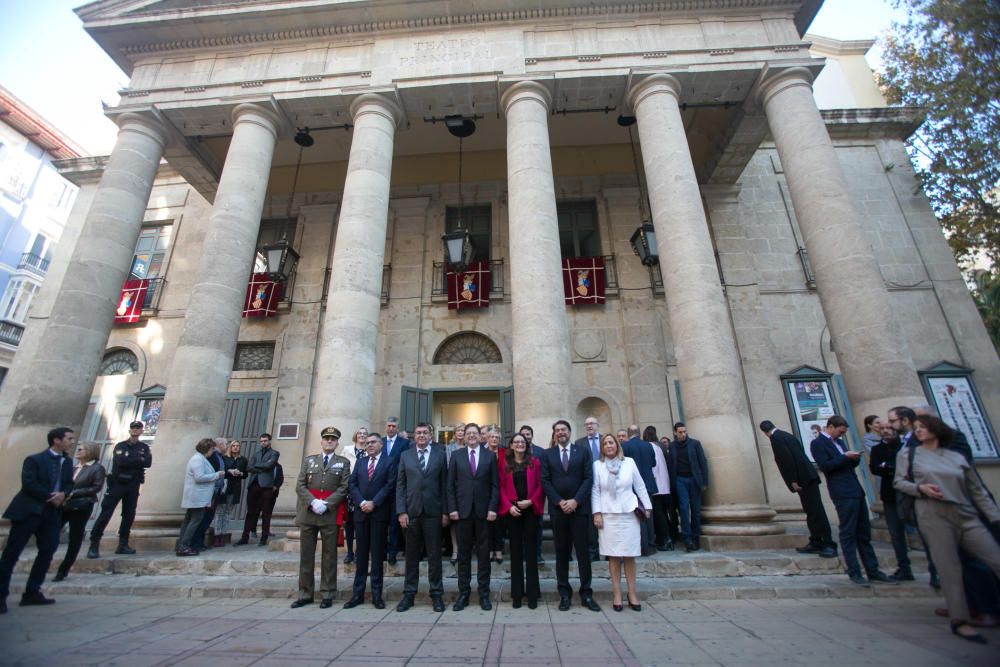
[[592, 441], [420, 506], [260, 489]]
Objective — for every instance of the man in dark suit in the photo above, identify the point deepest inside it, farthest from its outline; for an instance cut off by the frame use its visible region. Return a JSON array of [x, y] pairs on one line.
[[373, 490], [393, 445], [592, 441], [801, 478], [642, 453], [838, 461], [689, 469], [567, 477], [473, 492], [420, 505], [36, 510], [882, 463], [536, 451], [260, 491]]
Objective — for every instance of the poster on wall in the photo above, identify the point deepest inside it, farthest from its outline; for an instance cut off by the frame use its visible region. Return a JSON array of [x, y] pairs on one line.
[[812, 404], [956, 403], [149, 415]]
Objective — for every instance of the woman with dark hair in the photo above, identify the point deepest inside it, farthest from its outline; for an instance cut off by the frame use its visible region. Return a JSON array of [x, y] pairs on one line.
[[359, 453], [88, 480], [521, 502], [951, 507], [618, 492], [649, 435], [497, 529], [199, 487], [873, 432]]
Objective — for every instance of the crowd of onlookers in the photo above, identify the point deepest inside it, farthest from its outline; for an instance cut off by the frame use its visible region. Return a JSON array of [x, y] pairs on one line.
[[614, 496]]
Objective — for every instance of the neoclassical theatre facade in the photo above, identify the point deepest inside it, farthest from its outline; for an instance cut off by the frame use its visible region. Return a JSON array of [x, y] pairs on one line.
[[798, 271]]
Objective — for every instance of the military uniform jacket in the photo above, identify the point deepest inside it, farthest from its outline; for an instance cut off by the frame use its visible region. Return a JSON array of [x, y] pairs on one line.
[[333, 478]]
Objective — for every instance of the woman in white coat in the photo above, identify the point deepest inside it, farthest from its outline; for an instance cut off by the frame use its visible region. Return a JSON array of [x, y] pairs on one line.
[[199, 486], [617, 494]]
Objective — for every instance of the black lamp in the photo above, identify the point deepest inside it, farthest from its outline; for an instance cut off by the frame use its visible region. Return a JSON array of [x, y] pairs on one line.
[[644, 243], [458, 244], [281, 259]]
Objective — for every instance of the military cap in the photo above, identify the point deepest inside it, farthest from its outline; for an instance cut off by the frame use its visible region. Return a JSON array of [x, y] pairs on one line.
[[330, 432]]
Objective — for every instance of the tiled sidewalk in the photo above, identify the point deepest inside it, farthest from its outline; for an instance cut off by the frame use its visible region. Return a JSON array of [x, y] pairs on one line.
[[145, 631]]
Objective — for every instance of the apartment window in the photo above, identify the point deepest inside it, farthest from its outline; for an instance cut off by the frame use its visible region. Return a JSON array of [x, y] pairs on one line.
[[578, 235], [254, 356], [150, 251], [477, 221], [17, 299]]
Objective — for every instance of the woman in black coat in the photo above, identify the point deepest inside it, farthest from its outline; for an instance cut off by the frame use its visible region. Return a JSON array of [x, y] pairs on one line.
[[88, 480]]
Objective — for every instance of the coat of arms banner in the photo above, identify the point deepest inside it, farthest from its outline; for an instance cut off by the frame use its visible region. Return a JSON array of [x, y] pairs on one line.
[[263, 296], [583, 280], [469, 288], [130, 302]]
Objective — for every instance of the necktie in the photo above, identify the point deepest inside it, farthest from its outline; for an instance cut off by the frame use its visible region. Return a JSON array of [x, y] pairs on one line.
[[371, 468], [57, 476], [423, 460], [472, 461], [326, 461], [593, 447], [565, 459]]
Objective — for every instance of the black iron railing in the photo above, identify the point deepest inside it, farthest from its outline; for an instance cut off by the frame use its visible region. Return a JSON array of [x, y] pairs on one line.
[[11, 332], [440, 280]]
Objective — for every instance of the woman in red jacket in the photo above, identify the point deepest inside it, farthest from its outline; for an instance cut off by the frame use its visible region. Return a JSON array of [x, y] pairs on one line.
[[521, 502]]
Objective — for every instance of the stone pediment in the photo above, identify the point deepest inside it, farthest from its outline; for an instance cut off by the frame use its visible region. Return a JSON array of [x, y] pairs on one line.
[[104, 10]]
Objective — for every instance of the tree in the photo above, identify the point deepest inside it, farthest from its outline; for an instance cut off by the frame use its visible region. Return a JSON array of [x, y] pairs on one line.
[[987, 296], [946, 58]]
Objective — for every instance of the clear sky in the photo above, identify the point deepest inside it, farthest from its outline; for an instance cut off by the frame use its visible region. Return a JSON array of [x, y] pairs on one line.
[[50, 63]]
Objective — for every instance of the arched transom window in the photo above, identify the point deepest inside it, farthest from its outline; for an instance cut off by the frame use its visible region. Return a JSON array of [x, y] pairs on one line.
[[468, 347], [119, 362]]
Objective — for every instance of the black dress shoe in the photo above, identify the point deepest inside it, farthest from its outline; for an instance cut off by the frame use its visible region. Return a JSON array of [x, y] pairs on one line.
[[352, 603], [689, 546], [263, 542], [670, 546], [460, 603], [405, 603], [827, 552], [515, 603], [348, 559], [564, 604], [484, 604], [809, 549], [242, 542], [93, 551], [859, 580], [126, 550], [591, 604], [60, 576], [35, 599], [392, 560], [301, 602], [902, 575], [378, 603], [880, 577], [437, 603], [325, 603], [532, 604]]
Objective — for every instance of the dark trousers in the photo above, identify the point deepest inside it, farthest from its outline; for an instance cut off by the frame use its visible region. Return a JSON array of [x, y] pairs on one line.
[[497, 530], [349, 532], [689, 502], [128, 494], [260, 503], [820, 533], [571, 532], [523, 563], [856, 536], [45, 528], [538, 540], [189, 527], [371, 537], [661, 520], [198, 543], [473, 533], [593, 542], [270, 509], [897, 533], [394, 538], [77, 520], [423, 533]]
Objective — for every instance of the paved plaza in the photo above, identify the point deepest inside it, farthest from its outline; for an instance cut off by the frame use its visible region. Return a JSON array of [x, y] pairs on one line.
[[143, 631]]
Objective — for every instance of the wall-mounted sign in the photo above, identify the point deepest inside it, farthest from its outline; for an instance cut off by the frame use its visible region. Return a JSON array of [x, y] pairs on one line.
[[951, 390]]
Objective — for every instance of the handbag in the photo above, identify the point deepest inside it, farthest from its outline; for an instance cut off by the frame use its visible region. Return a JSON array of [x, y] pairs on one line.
[[639, 511], [906, 505], [83, 503]]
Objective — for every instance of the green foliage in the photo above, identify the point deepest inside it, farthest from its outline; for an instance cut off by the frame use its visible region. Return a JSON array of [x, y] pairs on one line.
[[946, 58], [987, 296]]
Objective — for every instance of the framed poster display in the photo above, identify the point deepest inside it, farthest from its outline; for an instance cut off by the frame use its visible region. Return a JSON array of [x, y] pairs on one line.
[[950, 390], [811, 401]]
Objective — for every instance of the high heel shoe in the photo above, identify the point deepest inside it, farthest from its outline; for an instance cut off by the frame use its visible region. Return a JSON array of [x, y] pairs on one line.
[[634, 607], [975, 637], [454, 559], [617, 607]]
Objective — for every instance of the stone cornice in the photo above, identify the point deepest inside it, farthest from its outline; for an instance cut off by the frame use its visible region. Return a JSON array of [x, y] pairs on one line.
[[883, 122], [123, 33]]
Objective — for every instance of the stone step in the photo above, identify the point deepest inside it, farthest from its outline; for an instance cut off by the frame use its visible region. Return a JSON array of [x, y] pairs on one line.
[[259, 562], [649, 588]]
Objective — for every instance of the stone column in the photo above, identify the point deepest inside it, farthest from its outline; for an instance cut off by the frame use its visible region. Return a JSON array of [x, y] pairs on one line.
[[708, 367], [199, 373], [344, 376], [55, 382], [540, 328], [873, 356]]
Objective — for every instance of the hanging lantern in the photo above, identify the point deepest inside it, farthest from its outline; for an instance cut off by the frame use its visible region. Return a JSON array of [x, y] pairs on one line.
[[281, 259], [644, 244]]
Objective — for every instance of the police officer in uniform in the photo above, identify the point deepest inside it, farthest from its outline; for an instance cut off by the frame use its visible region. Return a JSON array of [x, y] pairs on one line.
[[128, 472], [321, 487]]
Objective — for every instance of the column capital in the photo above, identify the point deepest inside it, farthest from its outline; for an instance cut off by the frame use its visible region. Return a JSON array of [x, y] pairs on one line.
[[377, 104], [775, 82], [147, 125], [526, 90], [259, 115], [651, 85]]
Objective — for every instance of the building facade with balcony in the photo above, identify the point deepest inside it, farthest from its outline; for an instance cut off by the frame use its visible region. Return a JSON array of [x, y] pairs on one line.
[[798, 273], [35, 201]]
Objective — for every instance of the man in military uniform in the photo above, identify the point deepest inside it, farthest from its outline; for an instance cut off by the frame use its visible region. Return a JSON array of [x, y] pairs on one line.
[[128, 472], [321, 487]]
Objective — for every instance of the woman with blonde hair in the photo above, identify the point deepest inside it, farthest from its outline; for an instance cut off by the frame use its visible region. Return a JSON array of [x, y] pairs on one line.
[[617, 499], [88, 480], [229, 502], [358, 443]]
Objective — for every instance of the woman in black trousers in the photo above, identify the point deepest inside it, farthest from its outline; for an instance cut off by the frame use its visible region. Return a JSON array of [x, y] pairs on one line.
[[521, 502], [88, 480]]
